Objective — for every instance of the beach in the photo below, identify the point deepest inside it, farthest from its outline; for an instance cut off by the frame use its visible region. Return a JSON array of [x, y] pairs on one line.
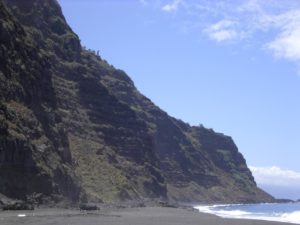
[[121, 216]]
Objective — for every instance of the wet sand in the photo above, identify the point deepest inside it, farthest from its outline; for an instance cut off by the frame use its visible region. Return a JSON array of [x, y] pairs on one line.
[[126, 216]]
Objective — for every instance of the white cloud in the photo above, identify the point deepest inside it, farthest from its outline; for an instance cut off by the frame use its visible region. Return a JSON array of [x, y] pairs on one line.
[[287, 42], [223, 35], [223, 24], [275, 176], [286, 45], [280, 22], [172, 6], [266, 24], [223, 30]]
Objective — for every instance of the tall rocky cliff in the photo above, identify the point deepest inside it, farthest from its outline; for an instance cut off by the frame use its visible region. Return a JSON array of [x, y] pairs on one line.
[[74, 127]]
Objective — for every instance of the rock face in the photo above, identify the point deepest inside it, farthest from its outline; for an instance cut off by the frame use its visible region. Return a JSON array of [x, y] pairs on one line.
[[74, 127]]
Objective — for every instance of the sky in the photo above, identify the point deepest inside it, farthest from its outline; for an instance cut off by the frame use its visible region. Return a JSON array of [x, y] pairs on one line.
[[233, 66]]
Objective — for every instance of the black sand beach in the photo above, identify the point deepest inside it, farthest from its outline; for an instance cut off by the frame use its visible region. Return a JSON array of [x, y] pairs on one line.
[[126, 216]]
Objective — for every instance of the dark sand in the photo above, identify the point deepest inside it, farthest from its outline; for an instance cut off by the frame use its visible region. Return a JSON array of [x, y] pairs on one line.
[[129, 216]]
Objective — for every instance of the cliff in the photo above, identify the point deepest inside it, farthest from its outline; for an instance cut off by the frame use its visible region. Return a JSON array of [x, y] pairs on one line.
[[74, 127]]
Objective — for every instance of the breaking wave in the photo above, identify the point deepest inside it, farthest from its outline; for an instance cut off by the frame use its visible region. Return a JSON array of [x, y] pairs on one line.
[[269, 212]]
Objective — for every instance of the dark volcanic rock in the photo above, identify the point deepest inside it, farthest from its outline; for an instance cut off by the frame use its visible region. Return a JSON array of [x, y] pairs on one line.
[[34, 149], [74, 127], [17, 205], [283, 200], [10, 204], [88, 207]]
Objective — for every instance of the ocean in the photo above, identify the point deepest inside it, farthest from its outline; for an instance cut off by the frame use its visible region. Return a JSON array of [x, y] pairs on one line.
[[281, 212]]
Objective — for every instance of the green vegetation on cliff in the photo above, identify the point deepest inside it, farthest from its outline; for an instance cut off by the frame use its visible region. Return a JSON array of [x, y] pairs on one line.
[[74, 127]]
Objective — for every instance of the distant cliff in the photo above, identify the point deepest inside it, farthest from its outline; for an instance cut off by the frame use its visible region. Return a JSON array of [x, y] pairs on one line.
[[74, 127]]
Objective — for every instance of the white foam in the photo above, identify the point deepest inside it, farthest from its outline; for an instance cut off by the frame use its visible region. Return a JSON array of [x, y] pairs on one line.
[[232, 213], [293, 217], [204, 209], [21, 215]]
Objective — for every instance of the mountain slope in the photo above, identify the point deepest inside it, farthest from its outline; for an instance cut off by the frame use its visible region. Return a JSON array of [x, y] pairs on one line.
[[34, 150], [78, 128]]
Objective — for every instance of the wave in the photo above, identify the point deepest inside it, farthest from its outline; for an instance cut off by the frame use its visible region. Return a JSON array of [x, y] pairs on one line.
[[218, 210], [293, 217]]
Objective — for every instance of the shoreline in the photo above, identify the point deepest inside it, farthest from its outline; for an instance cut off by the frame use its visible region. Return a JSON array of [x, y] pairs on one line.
[[123, 216], [264, 213]]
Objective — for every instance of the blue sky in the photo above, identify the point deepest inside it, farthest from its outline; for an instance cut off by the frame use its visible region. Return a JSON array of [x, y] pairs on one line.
[[233, 66]]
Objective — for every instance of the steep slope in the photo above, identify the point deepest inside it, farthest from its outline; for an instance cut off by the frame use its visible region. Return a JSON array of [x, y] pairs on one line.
[[34, 149], [198, 164], [111, 150], [75, 126]]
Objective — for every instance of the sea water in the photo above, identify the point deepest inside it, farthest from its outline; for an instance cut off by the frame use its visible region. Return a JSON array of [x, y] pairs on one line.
[[281, 212]]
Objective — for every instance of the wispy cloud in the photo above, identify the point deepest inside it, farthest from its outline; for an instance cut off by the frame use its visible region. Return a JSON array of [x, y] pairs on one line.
[[173, 6], [226, 22], [224, 30], [276, 176], [281, 183], [286, 44], [280, 23]]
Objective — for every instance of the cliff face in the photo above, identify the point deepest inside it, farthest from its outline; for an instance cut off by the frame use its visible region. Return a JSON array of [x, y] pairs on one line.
[[34, 149], [72, 126]]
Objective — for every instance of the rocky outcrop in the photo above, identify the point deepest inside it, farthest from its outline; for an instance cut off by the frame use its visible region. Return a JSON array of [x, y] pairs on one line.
[[88, 207], [17, 205], [74, 127]]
